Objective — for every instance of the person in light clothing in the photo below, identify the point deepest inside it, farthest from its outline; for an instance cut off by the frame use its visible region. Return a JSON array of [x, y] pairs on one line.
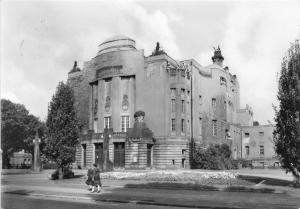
[[96, 179]]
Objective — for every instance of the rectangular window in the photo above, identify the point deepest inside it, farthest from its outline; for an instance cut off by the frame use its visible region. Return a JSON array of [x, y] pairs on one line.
[[124, 123], [247, 150], [261, 133], [173, 105], [200, 126], [214, 127], [172, 72], [213, 102], [182, 125], [182, 92], [182, 73], [261, 150], [173, 92], [182, 106], [173, 124], [200, 99], [107, 122]]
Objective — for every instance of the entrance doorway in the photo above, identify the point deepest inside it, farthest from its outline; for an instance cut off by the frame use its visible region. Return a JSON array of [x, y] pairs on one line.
[[99, 155], [119, 154], [149, 155]]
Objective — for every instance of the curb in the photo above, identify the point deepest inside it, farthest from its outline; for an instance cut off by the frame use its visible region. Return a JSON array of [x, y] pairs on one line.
[[220, 189], [137, 202]]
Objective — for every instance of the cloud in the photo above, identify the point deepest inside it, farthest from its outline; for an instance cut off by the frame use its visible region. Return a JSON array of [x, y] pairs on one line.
[[41, 40], [256, 38]]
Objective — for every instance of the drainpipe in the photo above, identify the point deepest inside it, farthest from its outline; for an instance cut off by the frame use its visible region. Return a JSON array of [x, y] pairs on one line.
[[192, 129], [241, 132]]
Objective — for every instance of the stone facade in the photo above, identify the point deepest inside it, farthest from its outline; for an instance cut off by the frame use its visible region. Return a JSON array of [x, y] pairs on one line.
[[185, 103], [258, 144]]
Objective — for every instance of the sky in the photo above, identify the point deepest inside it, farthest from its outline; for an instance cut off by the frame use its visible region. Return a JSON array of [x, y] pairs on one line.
[[40, 40]]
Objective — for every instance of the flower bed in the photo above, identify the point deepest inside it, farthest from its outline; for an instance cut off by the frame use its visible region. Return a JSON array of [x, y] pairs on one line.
[[203, 178]]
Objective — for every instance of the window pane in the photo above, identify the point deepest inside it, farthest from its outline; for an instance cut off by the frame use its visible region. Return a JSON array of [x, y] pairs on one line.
[[247, 150], [173, 125], [127, 122], [122, 123], [214, 128], [173, 102], [261, 150], [213, 102], [173, 92]]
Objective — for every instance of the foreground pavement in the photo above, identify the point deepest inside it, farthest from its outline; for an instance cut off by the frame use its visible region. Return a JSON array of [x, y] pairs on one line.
[[25, 189]]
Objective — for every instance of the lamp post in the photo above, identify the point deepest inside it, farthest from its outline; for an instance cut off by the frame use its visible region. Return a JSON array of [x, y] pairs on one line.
[[36, 161]]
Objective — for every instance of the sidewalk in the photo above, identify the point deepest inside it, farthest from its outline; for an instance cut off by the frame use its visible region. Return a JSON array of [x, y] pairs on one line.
[[268, 173], [117, 192], [179, 194]]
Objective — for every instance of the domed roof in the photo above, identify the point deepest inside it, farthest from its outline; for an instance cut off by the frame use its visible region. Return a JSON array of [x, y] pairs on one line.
[[116, 43]]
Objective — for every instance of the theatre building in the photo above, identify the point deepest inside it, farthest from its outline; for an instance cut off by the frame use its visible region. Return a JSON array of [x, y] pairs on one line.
[[147, 111]]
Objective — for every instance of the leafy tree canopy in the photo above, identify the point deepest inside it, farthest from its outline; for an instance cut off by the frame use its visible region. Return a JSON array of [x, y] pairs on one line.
[[286, 134], [63, 127], [18, 128]]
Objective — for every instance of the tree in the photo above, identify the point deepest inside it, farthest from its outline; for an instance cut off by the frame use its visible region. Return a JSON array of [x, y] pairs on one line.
[[63, 128], [215, 157], [287, 133], [18, 128]]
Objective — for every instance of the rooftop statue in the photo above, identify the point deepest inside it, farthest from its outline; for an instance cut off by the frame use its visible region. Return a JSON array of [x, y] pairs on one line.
[[158, 50], [75, 68], [217, 54]]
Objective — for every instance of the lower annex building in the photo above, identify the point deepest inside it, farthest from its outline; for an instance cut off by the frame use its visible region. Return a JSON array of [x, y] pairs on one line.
[[155, 108]]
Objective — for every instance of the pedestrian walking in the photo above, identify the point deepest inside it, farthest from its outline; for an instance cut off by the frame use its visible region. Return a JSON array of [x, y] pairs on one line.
[[90, 175], [96, 179]]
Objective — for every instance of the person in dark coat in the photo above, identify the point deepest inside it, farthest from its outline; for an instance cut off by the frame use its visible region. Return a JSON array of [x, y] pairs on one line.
[[90, 174], [97, 180]]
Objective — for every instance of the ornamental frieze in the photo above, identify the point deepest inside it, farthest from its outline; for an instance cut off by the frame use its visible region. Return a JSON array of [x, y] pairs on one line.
[[109, 71]]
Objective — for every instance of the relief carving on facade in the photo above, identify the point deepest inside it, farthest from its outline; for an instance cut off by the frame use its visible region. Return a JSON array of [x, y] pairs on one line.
[[125, 103], [96, 107], [107, 104]]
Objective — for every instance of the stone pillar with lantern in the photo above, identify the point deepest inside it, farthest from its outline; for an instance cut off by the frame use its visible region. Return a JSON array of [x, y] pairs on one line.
[[36, 161], [107, 135]]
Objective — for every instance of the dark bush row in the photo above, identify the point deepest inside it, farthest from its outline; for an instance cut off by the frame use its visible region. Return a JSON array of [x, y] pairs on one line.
[[216, 157], [66, 174]]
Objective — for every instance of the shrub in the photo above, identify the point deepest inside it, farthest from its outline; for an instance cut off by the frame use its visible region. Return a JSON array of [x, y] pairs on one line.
[[49, 165], [243, 163], [215, 157], [68, 174], [55, 175]]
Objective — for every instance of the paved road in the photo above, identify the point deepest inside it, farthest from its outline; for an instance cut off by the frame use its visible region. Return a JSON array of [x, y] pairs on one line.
[[25, 202], [38, 186]]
